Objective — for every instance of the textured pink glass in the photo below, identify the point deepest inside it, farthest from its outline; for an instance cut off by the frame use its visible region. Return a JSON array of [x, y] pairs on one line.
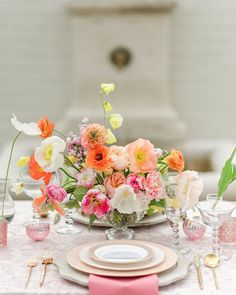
[[3, 232], [38, 231], [227, 232], [193, 229]]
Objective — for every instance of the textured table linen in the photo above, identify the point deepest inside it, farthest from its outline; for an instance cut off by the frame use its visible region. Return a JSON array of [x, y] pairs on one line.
[[13, 260], [125, 286]]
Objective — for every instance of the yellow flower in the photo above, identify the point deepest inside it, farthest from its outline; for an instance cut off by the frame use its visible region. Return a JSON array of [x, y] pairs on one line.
[[22, 162], [110, 137], [107, 88], [107, 106], [17, 188], [116, 120]]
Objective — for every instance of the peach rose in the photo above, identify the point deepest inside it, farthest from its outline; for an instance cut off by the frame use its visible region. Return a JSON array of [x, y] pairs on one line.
[[119, 157], [175, 160], [142, 156], [113, 182]]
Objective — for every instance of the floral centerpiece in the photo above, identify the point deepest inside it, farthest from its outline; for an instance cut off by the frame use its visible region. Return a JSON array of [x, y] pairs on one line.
[[105, 181]]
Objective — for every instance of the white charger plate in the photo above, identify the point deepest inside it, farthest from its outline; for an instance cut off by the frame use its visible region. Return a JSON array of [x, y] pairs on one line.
[[165, 278], [146, 221]]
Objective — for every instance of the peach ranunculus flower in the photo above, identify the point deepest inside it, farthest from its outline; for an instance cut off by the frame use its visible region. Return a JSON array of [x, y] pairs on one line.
[[142, 156], [175, 160], [120, 157], [46, 127], [93, 135], [99, 158], [113, 182]]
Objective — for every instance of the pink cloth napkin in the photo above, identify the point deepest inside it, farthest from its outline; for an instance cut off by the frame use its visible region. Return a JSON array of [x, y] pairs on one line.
[[125, 286]]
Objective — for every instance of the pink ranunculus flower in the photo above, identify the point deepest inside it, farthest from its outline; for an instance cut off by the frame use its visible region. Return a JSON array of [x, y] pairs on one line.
[[119, 157], [154, 186], [95, 202], [56, 193], [136, 181], [112, 182], [142, 156], [86, 177]]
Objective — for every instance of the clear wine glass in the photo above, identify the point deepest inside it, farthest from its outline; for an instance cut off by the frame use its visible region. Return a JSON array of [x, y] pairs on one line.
[[175, 212], [215, 213], [7, 206]]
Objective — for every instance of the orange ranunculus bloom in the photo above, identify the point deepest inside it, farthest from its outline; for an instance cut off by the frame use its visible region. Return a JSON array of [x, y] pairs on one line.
[[99, 158], [175, 160], [36, 172], [46, 127]]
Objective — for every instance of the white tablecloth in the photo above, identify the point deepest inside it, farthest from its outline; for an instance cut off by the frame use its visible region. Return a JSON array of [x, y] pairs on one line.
[[14, 257]]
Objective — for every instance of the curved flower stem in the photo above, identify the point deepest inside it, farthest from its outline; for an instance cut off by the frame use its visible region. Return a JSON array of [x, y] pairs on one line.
[[68, 182], [56, 131], [63, 170], [72, 165], [104, 112], [7, 172]]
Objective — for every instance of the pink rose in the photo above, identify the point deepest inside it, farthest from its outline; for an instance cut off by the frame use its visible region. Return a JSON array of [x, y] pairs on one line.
[[95, 202], [136, 182], [112, 182], [119, 157], [142, 156], [56, 193], [154, 186]]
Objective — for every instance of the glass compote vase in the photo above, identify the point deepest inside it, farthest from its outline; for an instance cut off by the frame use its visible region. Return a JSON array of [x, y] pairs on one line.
[[120, 223], [175, 211], [215, 213]]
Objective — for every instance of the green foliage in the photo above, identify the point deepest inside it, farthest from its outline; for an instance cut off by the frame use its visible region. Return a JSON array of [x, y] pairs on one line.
[[92, 218], [79, 193], [228, 175], [156, 206]]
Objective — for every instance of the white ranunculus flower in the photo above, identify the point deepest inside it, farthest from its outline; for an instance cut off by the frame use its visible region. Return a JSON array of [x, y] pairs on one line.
[[125, 200], [188, 189], [31, 128], [119, 157], [49, 155]]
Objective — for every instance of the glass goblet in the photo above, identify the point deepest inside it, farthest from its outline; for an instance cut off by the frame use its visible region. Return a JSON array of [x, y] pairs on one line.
[[215, 213]]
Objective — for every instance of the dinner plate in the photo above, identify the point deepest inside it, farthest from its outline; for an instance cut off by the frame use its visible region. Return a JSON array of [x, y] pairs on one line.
[[74, 260], [156, 218], [121, 253]]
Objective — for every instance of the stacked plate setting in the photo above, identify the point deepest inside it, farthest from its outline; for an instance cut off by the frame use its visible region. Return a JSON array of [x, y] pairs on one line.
[[122, 258]]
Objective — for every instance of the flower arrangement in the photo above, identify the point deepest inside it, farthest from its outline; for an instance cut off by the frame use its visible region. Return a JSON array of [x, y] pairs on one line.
[[99, 177]]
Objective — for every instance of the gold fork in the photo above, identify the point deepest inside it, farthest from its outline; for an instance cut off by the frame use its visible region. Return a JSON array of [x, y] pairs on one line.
[[47, 259], [32, 262]]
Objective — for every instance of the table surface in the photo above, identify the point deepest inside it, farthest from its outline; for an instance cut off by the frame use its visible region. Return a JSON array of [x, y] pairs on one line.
[[14, 257]]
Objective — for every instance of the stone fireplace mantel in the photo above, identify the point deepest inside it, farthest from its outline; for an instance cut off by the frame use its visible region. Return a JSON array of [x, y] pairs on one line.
[[126, 42]]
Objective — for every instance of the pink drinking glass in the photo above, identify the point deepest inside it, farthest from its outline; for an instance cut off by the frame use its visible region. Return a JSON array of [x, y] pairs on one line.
[[38, 231], [227, 232], [3, 232]]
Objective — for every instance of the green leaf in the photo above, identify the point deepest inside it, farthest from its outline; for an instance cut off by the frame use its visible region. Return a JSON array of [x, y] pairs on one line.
[[228, 175], [99, 178], [92, 218], [70, 204], [79, 193]]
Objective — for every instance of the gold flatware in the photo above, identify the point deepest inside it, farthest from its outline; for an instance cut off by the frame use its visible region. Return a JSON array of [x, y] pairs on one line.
[[32, 262], [197, 263], [47, 259], [212, 260]]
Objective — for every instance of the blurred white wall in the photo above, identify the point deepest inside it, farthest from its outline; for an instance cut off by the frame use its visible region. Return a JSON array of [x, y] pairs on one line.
[[35, 63]]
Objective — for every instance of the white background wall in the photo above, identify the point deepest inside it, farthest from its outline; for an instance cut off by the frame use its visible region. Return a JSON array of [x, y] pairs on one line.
[[35, 63]]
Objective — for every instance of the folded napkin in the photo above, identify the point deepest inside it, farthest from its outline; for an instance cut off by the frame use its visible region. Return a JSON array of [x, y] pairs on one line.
[[125, 286]]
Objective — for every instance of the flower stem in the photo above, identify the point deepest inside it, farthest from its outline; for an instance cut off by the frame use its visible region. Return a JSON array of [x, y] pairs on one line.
[[56, 131], [68, 174], [104, 112], [71, 164], [7, 172]]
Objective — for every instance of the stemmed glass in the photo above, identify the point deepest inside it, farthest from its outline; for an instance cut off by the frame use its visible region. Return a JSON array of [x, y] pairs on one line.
[[175, 212], [216, 212]]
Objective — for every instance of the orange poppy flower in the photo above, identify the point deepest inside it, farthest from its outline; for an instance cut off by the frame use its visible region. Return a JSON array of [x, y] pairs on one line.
[[57, 207], [46, 127], [99, 158], [175, 160], [39, 201], [36, 172]]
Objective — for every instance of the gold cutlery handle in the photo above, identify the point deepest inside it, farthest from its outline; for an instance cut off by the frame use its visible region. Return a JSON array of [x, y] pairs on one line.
[[43, 275], [199, 276], [28, 277], [215, 278]]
